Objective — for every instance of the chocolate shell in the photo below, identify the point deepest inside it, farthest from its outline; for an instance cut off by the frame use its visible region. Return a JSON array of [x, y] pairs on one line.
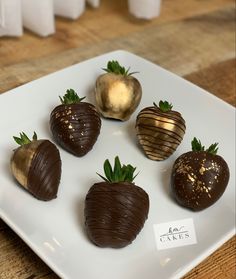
[[37, 167], [75, 127], [199, 179], [159, 133], [115, 213]]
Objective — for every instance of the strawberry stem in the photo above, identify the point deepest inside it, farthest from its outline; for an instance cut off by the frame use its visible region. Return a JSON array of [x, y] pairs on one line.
[[115, 68], [24, 139], [197, 146], [71, 97], [164, 106], [124, 173]]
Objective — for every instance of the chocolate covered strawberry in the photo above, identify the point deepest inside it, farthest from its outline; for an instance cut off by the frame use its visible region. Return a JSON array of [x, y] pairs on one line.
[[160, 130], [116, 209], [199, 177], [36, 165], [75, 125], [117, 92]]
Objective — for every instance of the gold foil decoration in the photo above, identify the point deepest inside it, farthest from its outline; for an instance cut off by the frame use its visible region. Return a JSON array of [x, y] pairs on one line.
[[21, 161], [117, 96]]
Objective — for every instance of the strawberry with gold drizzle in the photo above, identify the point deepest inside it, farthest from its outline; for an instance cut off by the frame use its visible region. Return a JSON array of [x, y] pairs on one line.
[[75, 125], [199, 177], [160, 130], [36, 165]]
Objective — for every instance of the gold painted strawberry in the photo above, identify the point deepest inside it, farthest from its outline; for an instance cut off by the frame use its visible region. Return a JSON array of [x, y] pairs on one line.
[[75, 125], [116, 209], [160, 130], [36, 165], [199, 177], [117, 92]]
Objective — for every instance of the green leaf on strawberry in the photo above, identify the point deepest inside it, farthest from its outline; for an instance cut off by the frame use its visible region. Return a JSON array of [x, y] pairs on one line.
[[197, 146], [124, 173], [164, 106], [115, 68], [71, 97], [24, 139]]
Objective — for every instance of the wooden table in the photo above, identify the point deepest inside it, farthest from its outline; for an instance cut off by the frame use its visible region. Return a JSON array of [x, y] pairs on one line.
[[192, 38]]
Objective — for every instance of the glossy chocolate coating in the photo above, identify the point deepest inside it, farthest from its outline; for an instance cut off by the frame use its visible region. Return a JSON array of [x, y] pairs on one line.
[[115, 213], [75, 127], [199, 179], [159, 133], [37, 167]]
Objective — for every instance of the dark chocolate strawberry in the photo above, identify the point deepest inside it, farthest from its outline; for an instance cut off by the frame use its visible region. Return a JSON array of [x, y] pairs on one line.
[[36, 165], [75, 125], [116, 209], [199, 177], [160, 130]]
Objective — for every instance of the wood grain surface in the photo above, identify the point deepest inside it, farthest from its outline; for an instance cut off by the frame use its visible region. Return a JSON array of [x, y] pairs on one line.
[[193, 38]]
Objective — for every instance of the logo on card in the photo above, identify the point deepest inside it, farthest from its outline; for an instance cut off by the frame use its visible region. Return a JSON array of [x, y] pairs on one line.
[[175, 234]]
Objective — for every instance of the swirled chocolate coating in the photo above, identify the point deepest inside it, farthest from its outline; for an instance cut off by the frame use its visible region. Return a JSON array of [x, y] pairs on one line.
[[75, 127], [199, 179], [37, 167], [159, 133], [115, 213]]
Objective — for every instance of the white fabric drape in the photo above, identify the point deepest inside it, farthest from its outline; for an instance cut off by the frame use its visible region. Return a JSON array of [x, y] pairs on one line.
[[39, 15], [10, 18], [145, 9], [69, 8]]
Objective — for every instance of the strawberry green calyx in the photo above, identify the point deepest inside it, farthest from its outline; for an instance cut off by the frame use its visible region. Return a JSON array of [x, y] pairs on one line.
[[115, 68], [24, 139], [119, 173], [164, 106], [197, 146], [71, 97]]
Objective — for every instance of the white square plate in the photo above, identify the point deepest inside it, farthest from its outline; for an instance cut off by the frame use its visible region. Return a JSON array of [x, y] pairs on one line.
[[55, 230]]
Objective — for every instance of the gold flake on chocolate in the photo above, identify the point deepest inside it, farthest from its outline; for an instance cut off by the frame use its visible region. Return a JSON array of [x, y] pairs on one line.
[[198, 183]]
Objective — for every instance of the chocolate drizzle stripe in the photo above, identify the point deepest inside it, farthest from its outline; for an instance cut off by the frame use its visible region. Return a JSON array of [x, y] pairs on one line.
[[122, 205], [76, 127], [161, 147], [160, 133], [115, 213], [164, 141], [170, 116], [45, 171], [161, 123]]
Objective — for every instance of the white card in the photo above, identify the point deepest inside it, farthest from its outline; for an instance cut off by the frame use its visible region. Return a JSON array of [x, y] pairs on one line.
[[70, 8], [38, 16], [10, 18], [175, 234]]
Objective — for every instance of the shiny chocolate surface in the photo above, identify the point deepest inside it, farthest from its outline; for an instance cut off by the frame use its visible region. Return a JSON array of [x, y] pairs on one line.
[[115, 213], [199, 179], [75, 127]]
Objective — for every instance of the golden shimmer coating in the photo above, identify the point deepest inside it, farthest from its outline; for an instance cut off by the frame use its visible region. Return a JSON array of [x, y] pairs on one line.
[[159, 133], [117, 92], [117, 96]]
